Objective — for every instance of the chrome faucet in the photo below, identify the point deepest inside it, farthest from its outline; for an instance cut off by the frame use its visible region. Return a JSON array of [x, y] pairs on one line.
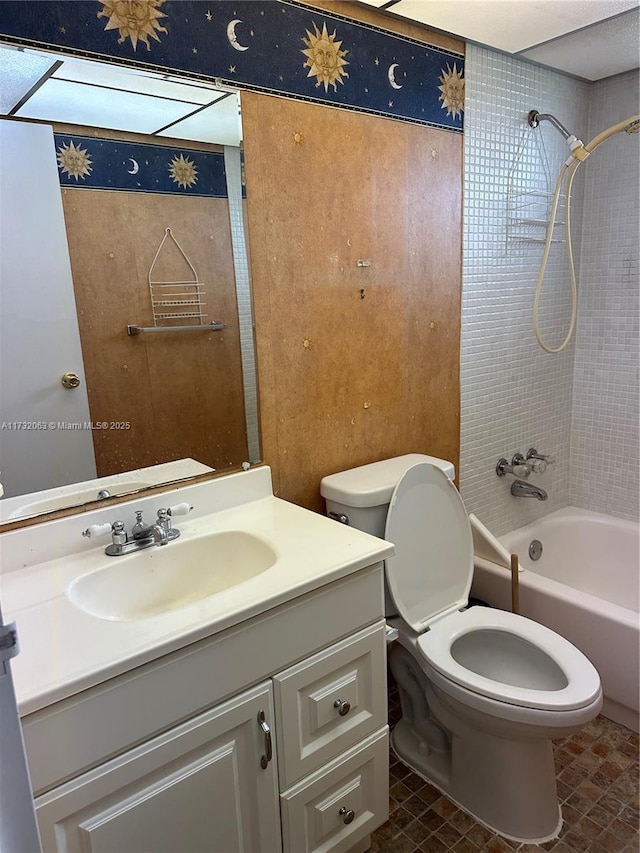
[[142, 535], [520, 489]]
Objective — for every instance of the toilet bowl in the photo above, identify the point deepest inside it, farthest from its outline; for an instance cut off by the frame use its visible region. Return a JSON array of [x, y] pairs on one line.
[[483, 692]]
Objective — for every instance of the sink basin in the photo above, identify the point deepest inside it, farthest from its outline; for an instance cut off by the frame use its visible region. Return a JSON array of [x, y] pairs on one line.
[[168, 577]]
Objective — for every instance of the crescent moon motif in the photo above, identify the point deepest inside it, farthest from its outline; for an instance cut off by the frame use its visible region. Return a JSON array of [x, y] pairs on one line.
[[134, 168], [391, 76], [231, 35]]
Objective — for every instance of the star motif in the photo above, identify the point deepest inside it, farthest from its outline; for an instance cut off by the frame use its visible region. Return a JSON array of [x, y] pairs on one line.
[[209, 16], [63, 30], [194, 50], [376, 61], [390, 103], [232, 69]]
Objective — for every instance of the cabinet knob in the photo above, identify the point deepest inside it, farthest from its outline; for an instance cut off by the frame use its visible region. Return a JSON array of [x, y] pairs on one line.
[[346, 814], [343, 707]]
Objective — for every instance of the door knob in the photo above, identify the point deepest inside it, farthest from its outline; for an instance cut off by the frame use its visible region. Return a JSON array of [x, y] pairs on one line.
[[70, 380]]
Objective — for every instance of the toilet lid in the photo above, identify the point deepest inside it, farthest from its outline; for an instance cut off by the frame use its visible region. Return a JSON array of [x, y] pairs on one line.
[[432, 569]]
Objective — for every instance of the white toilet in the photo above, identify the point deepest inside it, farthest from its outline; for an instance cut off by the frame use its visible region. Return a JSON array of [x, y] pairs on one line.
[[483, 691]]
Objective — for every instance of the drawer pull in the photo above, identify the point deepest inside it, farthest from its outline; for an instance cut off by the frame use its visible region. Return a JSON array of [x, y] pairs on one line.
[[346, 814], [343, 707], [262, 722]]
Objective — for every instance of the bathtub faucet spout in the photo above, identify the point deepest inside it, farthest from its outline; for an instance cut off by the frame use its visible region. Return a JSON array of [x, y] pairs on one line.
[[520, 489]]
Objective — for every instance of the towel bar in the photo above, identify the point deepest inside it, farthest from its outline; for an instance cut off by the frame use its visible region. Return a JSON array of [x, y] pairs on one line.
[[134, 329]]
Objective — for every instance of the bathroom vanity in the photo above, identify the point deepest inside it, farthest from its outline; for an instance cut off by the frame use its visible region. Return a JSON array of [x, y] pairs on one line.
[[250, 719]]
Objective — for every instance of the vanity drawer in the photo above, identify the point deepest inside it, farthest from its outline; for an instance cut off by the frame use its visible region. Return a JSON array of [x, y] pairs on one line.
[[343, 803], [329, 702]]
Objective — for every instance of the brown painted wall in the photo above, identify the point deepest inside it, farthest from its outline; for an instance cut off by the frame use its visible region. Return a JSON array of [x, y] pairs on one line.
[[355, 363], [182, 392]]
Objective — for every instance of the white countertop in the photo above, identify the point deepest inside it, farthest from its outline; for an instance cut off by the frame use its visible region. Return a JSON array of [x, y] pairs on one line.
[[65, 650]]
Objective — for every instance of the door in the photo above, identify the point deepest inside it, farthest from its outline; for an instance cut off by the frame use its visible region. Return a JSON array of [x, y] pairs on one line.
[[39, 337], [201, 787], [18, 829]]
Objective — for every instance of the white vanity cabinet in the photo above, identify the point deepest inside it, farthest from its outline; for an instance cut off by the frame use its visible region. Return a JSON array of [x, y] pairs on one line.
[[173, 756]]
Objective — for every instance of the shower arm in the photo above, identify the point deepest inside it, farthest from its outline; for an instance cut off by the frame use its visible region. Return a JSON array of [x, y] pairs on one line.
[[534, 118], [576, 145]]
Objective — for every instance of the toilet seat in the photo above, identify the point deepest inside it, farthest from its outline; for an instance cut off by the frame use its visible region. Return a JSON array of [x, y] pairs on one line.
[[430, 577], [437, 646]]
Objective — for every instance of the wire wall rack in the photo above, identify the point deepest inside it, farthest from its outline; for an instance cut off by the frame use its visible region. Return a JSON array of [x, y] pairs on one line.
[[174, 301], [530, 194]]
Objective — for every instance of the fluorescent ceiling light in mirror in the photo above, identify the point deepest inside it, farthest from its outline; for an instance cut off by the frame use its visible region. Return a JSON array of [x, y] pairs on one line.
[[76, 103], [144, 83], [19, 73], [220, 123]]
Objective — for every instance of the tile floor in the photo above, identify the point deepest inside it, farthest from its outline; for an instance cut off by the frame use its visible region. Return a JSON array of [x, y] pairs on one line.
[[597, 772]]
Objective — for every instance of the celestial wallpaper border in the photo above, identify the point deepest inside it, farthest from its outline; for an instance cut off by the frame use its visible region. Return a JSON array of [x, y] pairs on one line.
[[110, 164], [277, 46]]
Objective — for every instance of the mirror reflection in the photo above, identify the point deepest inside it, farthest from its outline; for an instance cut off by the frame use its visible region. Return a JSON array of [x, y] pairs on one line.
[[126, 342]]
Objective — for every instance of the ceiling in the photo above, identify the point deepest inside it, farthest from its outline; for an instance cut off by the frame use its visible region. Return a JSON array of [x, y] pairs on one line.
[[590, 39], [47, 87]]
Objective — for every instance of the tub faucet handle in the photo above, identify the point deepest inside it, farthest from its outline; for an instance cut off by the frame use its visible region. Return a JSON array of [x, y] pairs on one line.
[[538, 461], [518, 467]]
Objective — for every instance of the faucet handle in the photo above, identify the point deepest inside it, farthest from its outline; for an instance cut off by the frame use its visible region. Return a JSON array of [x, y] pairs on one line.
[[179, 509], [532, 453], [538, 461], [518, 467], [97, 530]]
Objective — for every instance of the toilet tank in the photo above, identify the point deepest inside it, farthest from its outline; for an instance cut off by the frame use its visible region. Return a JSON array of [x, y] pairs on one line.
[[363, 494]]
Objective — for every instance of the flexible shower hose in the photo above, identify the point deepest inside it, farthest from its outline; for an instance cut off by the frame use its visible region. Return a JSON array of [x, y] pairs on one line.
[[568, 171]]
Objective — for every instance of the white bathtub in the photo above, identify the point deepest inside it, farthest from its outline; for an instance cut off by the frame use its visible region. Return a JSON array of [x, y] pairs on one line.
[[585, 586]]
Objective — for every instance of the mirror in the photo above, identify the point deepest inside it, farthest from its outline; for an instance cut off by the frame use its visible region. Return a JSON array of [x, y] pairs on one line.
[[126, 347]]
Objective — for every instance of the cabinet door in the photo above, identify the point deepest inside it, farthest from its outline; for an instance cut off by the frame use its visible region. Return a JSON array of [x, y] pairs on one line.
[[201, 786]]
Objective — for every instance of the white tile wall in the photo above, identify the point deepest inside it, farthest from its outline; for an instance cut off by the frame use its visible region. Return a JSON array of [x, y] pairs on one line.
[[233, 168], [605, 439], [513, 394]]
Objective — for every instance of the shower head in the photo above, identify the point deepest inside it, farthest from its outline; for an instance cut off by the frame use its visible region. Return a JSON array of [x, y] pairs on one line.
[[633, 126]]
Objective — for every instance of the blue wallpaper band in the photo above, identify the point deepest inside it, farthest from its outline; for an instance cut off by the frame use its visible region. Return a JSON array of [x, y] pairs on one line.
[[109, 164], [277, 46]]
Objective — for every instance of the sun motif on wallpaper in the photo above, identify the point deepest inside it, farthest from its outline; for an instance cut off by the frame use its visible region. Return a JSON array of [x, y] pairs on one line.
[[452, 89], [134, 19], [183, 172], [325, 59], [76, 162]]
